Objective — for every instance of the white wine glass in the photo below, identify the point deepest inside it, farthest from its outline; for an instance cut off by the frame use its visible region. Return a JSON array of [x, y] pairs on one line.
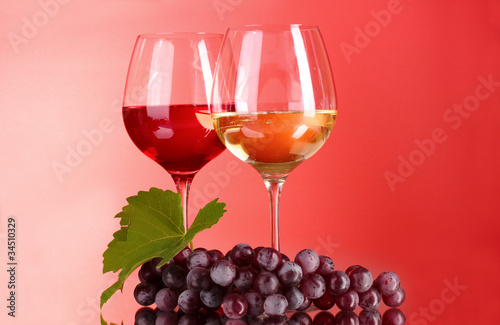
[[273, 101]]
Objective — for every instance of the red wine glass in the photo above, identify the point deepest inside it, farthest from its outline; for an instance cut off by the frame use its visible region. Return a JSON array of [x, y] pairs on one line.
[[165, 107], [273, 102]]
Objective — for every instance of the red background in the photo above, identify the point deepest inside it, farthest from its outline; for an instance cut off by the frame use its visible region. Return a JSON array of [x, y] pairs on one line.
[[400, 75]]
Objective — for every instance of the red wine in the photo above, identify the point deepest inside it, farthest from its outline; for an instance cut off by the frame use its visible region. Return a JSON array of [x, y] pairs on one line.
[[180, 138]]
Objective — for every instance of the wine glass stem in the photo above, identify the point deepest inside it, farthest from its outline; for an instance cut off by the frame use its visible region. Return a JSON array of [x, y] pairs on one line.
[[182, 184], [274, 186]]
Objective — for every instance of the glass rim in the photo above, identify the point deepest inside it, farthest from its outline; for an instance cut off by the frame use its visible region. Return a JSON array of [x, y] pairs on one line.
[[277, 28], [179, 35]]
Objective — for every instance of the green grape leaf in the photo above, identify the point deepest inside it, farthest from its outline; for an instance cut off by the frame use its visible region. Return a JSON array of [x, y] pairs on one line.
[[151, 225]]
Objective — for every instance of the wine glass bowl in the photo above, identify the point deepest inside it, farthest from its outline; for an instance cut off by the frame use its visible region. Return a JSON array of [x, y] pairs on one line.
[[165, 106], [173, 136], [273, 100]]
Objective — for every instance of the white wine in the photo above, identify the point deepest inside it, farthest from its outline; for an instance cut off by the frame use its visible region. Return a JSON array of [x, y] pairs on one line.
[[276, 142]]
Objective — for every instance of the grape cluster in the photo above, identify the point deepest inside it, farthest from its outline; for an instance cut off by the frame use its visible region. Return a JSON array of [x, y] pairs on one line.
[[259, 286], [392, 316]]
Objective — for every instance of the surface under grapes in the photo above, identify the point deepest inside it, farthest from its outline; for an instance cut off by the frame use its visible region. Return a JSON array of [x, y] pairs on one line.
[[263, 286]]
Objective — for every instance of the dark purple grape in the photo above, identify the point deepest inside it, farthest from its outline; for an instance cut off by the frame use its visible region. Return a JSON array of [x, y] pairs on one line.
[[337, 283], [216, 255], [180, 313], [269, 259], [294, 296], [255, 303], [393, 316], [346, 318], [199, 259], [181, 257], [290, 274], [174, 277], [200, 249], [387, 283], [308, 260], [166, 299], [351, 268], [223, 273], [213, 296], [370, 299], [254, 320], [242, 255], [276, 320], [325, 302], [144, 293], [149, 273], [370, 317], [235, 322], [245, 276], [192, 319], [348, 301], [145, 317], [212, 318], [189, 301], [227, 256], [167, 318], [324, 318], [255, 264], [157, 260], [301, 318], [306, 304], [284, 258], [198, 279], [234, 305], [313, 286], [361, 279], [396, 299], [275, 305], [326, 266], [266, 283], [144, 310]]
